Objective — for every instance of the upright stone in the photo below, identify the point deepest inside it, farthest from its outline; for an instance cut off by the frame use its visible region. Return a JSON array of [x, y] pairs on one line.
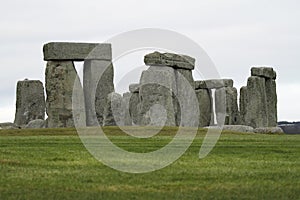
[[125, 108], [228, 94], [271, 102], [256, 112], [30, 103], [97, 84], [134, 108], [205, 107], [156, 96], [113, 113], [243, 104], [60, 77]]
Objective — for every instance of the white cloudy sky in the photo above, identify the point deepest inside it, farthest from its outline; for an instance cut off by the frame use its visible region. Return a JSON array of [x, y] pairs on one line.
[[236, 34]]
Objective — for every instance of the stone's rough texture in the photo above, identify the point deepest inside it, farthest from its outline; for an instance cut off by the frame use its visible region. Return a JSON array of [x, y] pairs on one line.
[[113, 114], [228, 95], [125, 109], [266, 72], [239, 128], [30, 103], [170, 59], [183, 80], [256, 108], [38, 123], [268, 130], [9, 125], [60, 77], [157, 87], [205, 107], [271, 102], [134, 108], [97, 84], [65, 51], [243, 104], [134, 88], [213, 84]]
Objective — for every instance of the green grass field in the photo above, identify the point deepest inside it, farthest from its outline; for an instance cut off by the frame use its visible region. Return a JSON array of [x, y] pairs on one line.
[[53, 164]]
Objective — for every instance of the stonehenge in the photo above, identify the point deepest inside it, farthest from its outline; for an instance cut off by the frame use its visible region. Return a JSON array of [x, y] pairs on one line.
[[166, 94]]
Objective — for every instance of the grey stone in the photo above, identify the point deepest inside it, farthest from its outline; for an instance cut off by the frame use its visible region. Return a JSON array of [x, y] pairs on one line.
[[9, 125], [134, 109], [125, 107], [243, 104], [213, 83], [256, 108], [156, 96], [113, 114], [97, 84], [170, 59], [205, 107], [183, 79], [66, 51], [271, 102], [60, 77], [134, 88], [268, 130], [228, 95], [30, 103], [239, 128], [38, 123], [266, 72]]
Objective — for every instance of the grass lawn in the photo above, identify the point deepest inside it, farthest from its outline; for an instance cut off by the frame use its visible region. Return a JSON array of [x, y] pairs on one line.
[[53, 164]]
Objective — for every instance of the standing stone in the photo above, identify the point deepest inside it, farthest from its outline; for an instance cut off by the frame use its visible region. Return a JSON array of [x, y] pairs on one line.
[[243, 104], [205, 107], [256, 109], [97, 84], [125, 107], [113, 113], [30, 103], [271, 102], [228, 94], [134, 108], [60, 77], [156, 96]]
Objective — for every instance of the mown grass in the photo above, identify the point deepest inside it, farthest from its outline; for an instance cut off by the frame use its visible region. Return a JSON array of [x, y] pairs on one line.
[[53, 164]]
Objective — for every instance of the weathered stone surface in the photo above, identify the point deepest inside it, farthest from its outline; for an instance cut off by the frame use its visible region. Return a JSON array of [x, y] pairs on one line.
[[97, 84], [228, 95], [170, 59], [38, 123], [30, 103], [256, 108], [266, 72], [183, 79], [213, 83], [205, 107], [125, 108], [66, 51], [134, 88], [113, 113], [134, 108], [243, 104], [269, 130], [9, 125], [156, 96], [60, 77], [271, 102]]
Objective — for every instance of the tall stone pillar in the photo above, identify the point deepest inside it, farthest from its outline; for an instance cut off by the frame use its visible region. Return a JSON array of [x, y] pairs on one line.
[[30, 103]]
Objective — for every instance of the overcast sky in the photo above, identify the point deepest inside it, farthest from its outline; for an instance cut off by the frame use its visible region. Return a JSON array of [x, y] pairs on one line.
[[236, 34]]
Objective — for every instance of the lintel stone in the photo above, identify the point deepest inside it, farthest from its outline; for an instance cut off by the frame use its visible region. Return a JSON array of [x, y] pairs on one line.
[[67, 51], [213, 84]]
